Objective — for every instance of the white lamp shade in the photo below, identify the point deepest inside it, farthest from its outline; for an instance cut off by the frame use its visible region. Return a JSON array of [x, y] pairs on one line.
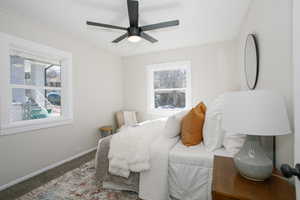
[[257, 112]]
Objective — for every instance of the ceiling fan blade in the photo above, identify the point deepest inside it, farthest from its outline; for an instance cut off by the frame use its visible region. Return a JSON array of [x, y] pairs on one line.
[[160, 25], [133, 12], [105, 25], [148, 37], [122, 37]]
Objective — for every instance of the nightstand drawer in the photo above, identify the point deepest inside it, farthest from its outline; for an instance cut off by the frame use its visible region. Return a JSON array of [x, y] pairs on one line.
[[222, 197]]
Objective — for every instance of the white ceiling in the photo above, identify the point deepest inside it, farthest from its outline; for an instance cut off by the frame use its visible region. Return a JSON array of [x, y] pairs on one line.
[[201, 21]]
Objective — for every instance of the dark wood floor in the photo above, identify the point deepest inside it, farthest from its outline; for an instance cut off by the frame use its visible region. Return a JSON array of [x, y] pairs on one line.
[[34, 182]]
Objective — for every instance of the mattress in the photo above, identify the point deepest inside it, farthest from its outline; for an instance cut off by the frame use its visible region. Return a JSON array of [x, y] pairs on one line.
[[190, 172]]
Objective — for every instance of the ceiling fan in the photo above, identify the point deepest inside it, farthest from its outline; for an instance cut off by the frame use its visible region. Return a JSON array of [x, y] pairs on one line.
[[134, 32]]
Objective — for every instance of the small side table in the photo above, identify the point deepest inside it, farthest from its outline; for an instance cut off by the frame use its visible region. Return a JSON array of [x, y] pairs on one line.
[[228, 184], [106, 131]]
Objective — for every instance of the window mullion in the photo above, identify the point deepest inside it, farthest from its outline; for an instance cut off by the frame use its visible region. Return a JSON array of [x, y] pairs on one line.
[[34, 87], [52, 88], [170, 89], [27, 87]]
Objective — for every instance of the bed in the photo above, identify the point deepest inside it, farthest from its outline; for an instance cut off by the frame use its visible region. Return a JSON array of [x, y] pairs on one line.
[[177, 171], [189, 171]]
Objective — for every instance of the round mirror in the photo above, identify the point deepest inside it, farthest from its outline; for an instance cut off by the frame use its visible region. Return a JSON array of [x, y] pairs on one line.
[[251, 61]]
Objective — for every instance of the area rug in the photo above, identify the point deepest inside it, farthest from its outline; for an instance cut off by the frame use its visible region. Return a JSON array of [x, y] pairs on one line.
[[78, 184]]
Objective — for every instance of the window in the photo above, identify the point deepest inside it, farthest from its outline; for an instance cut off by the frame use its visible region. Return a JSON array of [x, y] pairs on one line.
[[169, 87], [36, 86], [36, 89]]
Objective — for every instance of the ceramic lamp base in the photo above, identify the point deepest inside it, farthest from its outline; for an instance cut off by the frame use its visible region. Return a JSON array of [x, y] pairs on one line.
[[251, 179], [252, 161]]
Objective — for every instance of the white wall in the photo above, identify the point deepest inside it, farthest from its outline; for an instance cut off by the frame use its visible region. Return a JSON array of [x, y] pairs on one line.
[[213, 66], [271, 21], [296, 62], [97, 88]]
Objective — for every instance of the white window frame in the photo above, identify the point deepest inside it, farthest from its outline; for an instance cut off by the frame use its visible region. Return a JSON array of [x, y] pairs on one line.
[[8, 43], [150, 86]]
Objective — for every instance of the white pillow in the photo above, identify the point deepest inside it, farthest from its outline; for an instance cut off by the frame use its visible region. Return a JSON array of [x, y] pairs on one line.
[[173, 124], [214, 136], [159, 121], [233, 142], [213, 133]]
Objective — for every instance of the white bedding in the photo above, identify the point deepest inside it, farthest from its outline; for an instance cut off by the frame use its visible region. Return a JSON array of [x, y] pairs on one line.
[[154, 182], [130, 148], [190, 172]]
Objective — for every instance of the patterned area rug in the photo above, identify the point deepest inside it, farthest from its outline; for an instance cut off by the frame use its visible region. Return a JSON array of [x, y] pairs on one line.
[[78, 184]]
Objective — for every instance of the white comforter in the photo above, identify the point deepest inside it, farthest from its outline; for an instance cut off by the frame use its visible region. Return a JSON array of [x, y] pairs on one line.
[[130, 148], [154, 182], [143, 149]]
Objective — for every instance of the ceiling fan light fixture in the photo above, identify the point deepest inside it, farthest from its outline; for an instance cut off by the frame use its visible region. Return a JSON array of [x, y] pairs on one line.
[[134, 33], [134, 38]]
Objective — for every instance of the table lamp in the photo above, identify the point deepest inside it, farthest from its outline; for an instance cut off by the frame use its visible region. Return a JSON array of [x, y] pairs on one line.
[[254, 113]]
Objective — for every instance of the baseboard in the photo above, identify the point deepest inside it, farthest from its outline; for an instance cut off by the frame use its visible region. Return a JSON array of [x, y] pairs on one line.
[[21, 179]]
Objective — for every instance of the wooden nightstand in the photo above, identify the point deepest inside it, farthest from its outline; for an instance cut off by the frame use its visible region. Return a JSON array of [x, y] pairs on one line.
[[228, 184]]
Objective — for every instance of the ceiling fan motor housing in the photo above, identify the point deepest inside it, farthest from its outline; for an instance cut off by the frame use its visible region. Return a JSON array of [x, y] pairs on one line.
[[134, 31]]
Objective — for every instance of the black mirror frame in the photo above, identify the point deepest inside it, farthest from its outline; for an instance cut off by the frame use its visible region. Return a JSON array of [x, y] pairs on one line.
[[257, 62]]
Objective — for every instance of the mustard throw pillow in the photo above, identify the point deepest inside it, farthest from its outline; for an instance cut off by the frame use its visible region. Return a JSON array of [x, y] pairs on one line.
[[192, 126], [201, 107]]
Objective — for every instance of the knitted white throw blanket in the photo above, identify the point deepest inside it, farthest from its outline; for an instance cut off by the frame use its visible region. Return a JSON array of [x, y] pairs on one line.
[[130, 148]]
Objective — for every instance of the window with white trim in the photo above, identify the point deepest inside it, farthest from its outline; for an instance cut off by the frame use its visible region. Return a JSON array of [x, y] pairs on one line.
[[169, 87], [35, 85]]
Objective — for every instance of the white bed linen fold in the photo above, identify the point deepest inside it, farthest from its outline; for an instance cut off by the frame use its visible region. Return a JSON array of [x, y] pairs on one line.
[[190, 171], [154, 182]]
